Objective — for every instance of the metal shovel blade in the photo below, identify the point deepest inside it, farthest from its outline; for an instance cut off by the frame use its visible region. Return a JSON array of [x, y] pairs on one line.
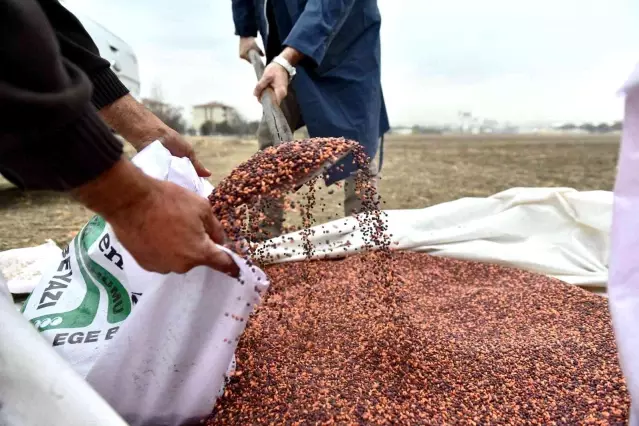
[[277, 124], [322, 169]]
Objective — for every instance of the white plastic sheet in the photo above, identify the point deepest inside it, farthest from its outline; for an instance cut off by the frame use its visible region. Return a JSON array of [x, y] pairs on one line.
[[558, 232], [623, 290], [156, 347], [37, 386], [22, 268]]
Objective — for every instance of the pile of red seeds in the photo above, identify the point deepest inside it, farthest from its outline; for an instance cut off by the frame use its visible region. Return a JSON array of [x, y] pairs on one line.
[[405, 338], [447, 342]]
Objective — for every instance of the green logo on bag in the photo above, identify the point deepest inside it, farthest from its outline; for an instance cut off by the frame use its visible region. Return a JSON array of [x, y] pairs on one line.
[[118, 297], [119, 301]]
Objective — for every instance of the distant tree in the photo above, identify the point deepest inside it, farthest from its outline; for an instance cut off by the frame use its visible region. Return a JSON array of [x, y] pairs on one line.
[[206, 129], [251, 127], [169, 114], [238, 127], [224, 128], [426, 130], [602, 128], [432, 130], [191, 131], [617, 126], [568, 126], [588, 127]]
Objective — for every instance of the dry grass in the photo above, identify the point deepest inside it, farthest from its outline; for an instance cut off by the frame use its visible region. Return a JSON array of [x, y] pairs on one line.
[[418, 172]]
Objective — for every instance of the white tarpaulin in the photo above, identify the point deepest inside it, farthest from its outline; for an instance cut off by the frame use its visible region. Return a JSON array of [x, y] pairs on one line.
[[558, 232], [623, 290], [22, 268], [37, 386]]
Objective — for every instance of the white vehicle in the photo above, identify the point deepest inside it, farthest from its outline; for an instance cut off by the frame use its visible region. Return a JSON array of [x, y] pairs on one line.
[[112, 48]]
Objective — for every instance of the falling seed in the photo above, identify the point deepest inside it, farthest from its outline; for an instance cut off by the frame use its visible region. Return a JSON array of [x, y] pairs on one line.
[[269, 175]]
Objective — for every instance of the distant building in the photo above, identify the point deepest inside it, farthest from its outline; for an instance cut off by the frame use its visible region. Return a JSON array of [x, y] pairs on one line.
[[216, 113], [465, 121], [401, 131], [570, 128]]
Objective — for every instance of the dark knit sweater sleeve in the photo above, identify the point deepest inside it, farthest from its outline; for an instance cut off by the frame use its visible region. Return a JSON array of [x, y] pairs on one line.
[[50, 135], [79, 48]]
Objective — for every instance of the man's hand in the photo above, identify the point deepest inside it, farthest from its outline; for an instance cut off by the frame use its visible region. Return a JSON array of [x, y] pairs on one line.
[[179, 147], [165, 227], [246, 45], [140, 127], [172, 230], [276, 77]]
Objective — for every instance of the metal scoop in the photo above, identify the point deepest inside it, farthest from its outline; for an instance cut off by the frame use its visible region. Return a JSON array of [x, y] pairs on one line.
[[278, 126]]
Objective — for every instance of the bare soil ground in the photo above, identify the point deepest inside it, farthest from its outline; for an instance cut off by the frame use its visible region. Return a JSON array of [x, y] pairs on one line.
[[418, 171]]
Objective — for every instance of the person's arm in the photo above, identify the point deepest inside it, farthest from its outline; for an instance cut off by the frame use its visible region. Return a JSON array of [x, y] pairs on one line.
[[316, 27], [244, 18], [245, 21], [310, 37], [78, 47], [128, 117], [52, 138], [140, 127], [165, 227], [276, 76]]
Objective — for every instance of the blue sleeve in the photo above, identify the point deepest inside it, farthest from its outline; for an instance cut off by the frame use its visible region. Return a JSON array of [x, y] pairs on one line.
[[316, 27], [244, 18]]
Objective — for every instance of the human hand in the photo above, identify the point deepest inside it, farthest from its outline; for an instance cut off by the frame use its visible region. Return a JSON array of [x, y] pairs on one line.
[[240, 246], [172, 230], [140, 127], [246, 45], [275, 77], [179, 147], [165, 227]]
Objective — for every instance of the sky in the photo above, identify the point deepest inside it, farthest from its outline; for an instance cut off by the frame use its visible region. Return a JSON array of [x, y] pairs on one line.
[[508, 60]]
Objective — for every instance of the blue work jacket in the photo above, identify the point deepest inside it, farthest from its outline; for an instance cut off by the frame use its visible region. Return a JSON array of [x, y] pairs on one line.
[[338, 85]]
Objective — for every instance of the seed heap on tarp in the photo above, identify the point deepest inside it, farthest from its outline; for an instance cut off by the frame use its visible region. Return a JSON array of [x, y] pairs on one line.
[[448, 342]]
